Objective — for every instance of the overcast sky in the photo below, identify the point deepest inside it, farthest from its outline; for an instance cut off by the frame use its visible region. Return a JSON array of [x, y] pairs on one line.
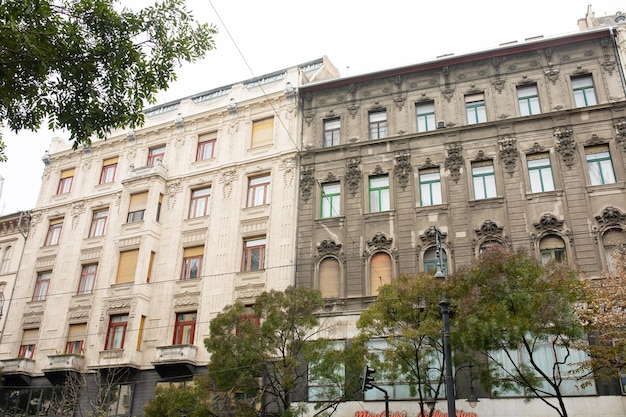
[[257, 37]]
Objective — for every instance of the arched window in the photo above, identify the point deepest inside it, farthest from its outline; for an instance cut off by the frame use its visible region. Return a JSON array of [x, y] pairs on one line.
[[6, 258], [489, 244], [613, 242], [430, 260], [380, 271], [552, 248], [330, 278]]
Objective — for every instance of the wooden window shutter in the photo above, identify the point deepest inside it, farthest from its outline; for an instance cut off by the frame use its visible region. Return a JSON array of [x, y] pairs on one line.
[[127, 266]]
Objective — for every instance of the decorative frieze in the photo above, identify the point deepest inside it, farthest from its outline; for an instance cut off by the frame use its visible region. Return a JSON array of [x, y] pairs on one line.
[[353, 175], [508, 153], [307, 181], [402, 170], [565, 145], [454, 160]]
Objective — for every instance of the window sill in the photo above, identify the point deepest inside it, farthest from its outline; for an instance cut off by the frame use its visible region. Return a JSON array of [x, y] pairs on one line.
[[379, 215], [544, 195], [434, 207], [331, 220], [486, 202], [606, 189]]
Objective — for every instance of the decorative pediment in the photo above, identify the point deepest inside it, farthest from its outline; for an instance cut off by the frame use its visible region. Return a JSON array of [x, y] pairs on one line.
[[611, 216], [548, 222], [430, 235], [489, 228], [329, 247], [380, 241]]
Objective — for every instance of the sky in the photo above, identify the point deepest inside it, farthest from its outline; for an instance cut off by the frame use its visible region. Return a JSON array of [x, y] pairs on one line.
[[258, 37]]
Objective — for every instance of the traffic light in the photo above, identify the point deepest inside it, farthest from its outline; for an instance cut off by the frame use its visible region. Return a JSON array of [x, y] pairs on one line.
[[367, 379]]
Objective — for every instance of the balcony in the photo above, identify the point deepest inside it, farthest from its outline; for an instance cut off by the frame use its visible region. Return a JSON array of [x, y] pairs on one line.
[[136, 173], [17, 371], [176, 360], [59, 366]]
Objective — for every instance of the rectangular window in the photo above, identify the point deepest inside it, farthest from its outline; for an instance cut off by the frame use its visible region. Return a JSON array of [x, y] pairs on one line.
[[378, 124], [142, 323], [41, 286], [253, 254], [600, 165], [484, 180], [584, 93], [332, 129], [116, 332], [200, 202], [540, 172], [325, 385], [150, 264], [127, 266], [379, 193], [65, 182], [475, 108], [262, 132], [76, 339], [109, 166], [54, 232], [331, 200], [192, 262], [206, 146], [6, 259], [528, 100], [137, 207], [156, 154], [259, 191], [430, 187], [29, 341], [98, 222], [87, 279], [425, 116], [184, 328]]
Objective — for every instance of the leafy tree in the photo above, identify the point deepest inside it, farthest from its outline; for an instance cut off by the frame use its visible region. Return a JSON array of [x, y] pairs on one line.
[[186, 401], [511, 307], [87, 67], [406, 314], [259, 356]]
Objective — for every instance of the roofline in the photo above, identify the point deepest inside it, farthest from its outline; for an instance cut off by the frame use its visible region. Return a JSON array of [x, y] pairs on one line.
[[460, 59]]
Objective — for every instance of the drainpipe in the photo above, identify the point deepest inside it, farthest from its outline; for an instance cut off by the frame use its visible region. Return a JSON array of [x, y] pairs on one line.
[[620, 69]]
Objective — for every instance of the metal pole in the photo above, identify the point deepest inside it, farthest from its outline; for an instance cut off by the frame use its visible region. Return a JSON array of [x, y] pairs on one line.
[[447, 356]]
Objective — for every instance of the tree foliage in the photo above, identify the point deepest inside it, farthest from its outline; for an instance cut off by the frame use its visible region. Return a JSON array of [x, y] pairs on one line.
[[189, 401], [88, 67], [510, 310], [259, 356]]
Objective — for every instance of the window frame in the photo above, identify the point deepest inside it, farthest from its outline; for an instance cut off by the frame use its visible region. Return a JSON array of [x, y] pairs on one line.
[[475, 105], [330, 202], [195, 200], [250, 246], [42, 285], [584, 92], [329, 269], [109, 169], [75, 345], [380, 194], [554, 253], [180, 327], [332, 133], [98, 222], [27, 351], [6, 259], [426, 116], [483, 177], [262, 132], [426, 187], [373, 284], [377, 124], [137, 207], [204, 141], [53, 237], [65, 181], [154, 153], [259, 186], [528, 103], [593, 159], [540, 175], [87, 281], [194, 257], [111, 342]]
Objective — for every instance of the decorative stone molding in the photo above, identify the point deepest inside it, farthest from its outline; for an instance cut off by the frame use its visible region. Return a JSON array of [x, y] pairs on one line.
[[378, 171], [353, 175], [77, 210], [430, 236], [489, 228], [448, 93], [329, 247], [402, 170], [173, 189], [620, 132], [428, 163], [536, 148], [454, 160], [308, 118], [548, 222], [330, 177], [306, 182], [187, 299], [353, 110], [119, 304], [288, 165], [595, 140], [227, 179], [380, 241], [565, 145], [611, 216], [508, 153], [498, 85], [399, 100], [481, 157]]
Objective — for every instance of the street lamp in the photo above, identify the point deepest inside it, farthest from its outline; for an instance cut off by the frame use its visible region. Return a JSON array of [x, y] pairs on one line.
[[1, 303], [472, 400]]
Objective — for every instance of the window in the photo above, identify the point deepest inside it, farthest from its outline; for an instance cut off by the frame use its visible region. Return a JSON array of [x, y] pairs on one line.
[[206, 146], [29, 341], [127, 266], [430, 260], [330, 278], [142, 323], [156, 154], [259, 191], [488, 245], [378, 124], [184, 328], [248, 325], [528, 100], [253, 254], [137, 207], [54, 232], [380, 271], [157, 218], [65, 182], [192, 262], [262, 132], [76, 339], [430, 187], [540, 172], [200, 202], [6, 259], [150, 264], [331, 200], [613, 241], [41, 286], [332, 130], [552, 249], [109, 166], [87, 279], [584, 93], [118, 399], [425, 116], [475, 108], [379, 193], [98, 222], [116, 332], [600, 165], [484, 180], [326, 385]]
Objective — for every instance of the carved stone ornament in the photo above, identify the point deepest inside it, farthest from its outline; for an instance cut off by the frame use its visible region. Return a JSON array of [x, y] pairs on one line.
[[508, 153], [288, 165], [118, 304], [489, 228], [77, 210], [308, 118], [498, 84], [428, 163], [536, 148], [454, 161], [430, 235], [353, 110], [620, 132], [307, 181], [227, 179], [380, 241], [611, 216], [481, 156], [330, 177], [448, 93], [399, 100], [329, 247], [548, 222], [595, 140], [403, 169], [565, 145], [173, 189], [378, 170], [353, 175]]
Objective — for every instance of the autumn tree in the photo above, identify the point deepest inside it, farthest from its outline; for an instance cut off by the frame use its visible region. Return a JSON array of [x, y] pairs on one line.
[[515, 313], [89, 66], [189, 401], [406, 318], [263, 357]]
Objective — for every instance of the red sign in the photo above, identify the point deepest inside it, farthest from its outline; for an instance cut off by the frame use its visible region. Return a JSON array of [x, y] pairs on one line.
[[436, 413]]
